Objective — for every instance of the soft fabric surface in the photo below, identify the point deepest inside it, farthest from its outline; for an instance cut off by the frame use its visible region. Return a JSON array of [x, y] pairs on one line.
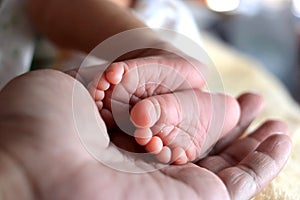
[[240, 74]]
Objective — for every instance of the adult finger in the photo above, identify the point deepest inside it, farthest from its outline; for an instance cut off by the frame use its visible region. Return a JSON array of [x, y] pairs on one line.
[[201, 182], [241, 148], [256, 170]]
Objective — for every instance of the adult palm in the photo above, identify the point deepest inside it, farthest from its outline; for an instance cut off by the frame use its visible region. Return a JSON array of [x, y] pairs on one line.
[[51, 135]]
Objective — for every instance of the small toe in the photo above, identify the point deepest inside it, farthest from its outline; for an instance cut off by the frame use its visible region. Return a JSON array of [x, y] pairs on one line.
[[191, 153], [103, 84], [155, 145], [99, 105], [165, 155], [143, 136], [178, 156], [98, 95], [115, 73]]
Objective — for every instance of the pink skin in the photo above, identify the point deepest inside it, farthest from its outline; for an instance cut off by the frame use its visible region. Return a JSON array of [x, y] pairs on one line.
[[93, 27], [41, 154], [173, 126]]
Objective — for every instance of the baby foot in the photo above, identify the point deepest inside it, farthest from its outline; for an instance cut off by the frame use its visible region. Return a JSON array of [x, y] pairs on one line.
[[178, 127], [179, 133], [132, 80]]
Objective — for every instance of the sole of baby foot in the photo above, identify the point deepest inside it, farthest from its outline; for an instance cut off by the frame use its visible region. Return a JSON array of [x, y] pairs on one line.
[[174, 126], [146, 69]]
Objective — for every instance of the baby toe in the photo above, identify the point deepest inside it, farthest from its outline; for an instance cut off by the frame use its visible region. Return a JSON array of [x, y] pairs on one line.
[[155, 145], [99, 105], [145, 114], [178, 156], [165, 155], [98, 95], [143, 136], [191, 153], [103, 84], [114, 73]]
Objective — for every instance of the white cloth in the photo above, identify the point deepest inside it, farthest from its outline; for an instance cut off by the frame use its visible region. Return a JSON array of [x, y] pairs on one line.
[[168, 14], [16, 40], [173, 15]]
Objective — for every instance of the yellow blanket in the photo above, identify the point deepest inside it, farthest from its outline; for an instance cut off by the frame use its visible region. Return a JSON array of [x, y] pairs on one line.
[[241, 74]]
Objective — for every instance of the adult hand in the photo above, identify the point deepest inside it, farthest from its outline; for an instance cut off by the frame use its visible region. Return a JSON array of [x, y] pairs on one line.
[[42, 155]]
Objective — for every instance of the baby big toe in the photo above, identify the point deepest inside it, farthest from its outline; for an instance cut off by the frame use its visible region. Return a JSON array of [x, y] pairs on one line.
[[145, 114]]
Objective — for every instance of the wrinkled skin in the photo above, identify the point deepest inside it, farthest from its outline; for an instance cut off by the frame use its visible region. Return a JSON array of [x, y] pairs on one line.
[[42, 156], [161, 95]]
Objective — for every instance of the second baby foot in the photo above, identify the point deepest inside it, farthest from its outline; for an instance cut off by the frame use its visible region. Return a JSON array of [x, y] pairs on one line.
[[130, 82], [180, 127], [133, 80]]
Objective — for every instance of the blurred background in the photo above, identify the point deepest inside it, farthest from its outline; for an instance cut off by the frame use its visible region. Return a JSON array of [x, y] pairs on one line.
[[266, 30]]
